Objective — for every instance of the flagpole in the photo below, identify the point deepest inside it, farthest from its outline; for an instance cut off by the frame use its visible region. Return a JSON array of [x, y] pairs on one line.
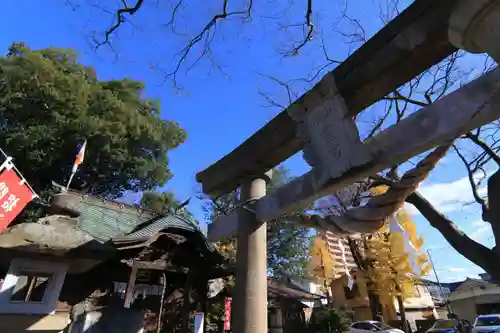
[[78, 161], [439, 283], [70, 180]]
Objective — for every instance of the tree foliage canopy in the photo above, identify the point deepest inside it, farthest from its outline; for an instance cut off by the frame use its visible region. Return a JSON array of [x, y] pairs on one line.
[[326, 320], [391, 271], [321, 265], [50, 103], [165, 202]]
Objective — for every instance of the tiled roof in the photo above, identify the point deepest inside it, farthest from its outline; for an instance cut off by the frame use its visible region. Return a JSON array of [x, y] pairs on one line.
[[148, 232], [278, 288], [451, 285], [104, 223], [104, 220], [167, 221]]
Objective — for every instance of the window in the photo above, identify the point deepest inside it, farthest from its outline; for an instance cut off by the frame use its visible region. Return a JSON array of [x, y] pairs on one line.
[[381, 326], [424, 290], [32, 286], [444, 324], [488, 321], [416, 290], [366, 327], [351, 294]]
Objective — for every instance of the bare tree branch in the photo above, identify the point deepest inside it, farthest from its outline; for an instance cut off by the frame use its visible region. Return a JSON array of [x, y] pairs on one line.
[[206, 30], [397, 96], [171, 23], [358, 36], [475, 252], [475, 138], [291, 94], [311, 78], [492, 215], [379, 122], [473, 184], [120, 19], [310, 29]]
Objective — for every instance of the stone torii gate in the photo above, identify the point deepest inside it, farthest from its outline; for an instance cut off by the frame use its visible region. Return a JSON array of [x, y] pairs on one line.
[[321, 123]]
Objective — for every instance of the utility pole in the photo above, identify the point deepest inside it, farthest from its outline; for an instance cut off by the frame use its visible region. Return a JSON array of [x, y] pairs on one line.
[[448, 306]]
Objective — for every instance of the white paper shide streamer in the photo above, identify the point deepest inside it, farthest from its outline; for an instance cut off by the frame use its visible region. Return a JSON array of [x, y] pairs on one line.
[[350, 280], [409, 248]]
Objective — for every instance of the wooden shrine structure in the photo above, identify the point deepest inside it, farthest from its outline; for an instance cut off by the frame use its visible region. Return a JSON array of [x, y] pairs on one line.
[[321, 124], [90, 262]]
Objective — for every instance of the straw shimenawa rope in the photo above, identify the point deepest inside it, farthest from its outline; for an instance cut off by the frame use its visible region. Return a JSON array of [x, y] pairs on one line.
[[378, 209]]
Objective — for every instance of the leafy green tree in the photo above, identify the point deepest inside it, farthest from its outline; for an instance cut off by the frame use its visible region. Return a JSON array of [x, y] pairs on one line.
[[159, 202], [327, 320], [288, 246], [50, 103], [165, 202]]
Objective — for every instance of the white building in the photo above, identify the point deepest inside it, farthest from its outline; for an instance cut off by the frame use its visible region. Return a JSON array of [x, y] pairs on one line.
[[332, 243]]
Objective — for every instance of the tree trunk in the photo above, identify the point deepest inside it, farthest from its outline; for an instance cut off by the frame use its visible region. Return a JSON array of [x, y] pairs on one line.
[[402, 313], [329, 301], [362, 265], [477, 253], [329, 297]]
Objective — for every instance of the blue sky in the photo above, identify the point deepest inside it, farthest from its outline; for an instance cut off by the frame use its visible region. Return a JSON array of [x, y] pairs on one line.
[[218, 110]]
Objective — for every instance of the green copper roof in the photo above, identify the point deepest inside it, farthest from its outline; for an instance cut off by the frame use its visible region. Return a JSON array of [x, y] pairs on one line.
[[120, 224], [104, 220]]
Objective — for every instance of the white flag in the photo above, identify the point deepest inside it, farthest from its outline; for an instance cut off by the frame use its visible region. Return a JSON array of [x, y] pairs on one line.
[[409, 248], [79, 157], [350, 280]]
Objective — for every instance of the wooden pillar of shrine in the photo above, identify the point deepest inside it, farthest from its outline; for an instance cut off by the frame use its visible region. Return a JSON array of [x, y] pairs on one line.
[[202, 301], [129, 294], [276, 320], [250, 299], [186, 306]]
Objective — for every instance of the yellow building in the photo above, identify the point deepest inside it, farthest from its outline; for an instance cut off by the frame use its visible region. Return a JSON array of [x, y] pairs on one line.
[[420, 306]]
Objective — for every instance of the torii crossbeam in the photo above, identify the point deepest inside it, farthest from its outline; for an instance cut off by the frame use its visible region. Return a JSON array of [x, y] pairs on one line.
[[420, 37]]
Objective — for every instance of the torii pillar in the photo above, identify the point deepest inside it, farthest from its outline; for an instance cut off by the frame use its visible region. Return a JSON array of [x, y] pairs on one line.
[[250, 299], [474, 26]]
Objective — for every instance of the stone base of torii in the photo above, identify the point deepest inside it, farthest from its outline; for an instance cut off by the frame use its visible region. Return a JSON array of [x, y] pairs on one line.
[[474, 26]]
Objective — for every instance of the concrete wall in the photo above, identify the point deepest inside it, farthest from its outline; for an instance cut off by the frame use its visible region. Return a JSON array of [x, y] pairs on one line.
[[313, 288], [465, 309], [104, 321], [359, 304], [474, 291], [109, 320], [471, 293], [421, 299], [33, 323]]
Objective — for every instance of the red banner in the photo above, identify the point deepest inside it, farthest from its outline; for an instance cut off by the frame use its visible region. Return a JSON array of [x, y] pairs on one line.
[[227, 314], [14, 196]]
